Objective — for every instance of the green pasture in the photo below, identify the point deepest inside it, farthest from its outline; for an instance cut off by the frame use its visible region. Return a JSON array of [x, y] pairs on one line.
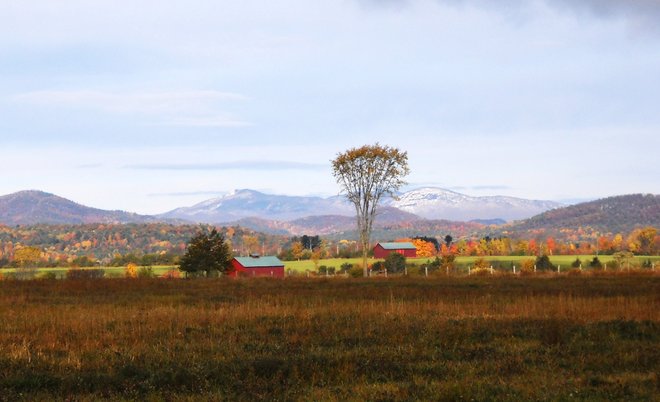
[[508, 261]]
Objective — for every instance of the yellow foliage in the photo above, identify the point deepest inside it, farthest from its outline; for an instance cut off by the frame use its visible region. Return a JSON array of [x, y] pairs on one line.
[[424, 248], [131, 270]]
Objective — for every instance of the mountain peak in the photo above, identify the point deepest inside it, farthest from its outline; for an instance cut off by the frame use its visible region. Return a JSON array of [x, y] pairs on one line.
[[33, 207]]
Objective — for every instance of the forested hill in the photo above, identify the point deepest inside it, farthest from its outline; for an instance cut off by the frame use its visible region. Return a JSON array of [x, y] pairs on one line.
[[37, 207], [620, 214]]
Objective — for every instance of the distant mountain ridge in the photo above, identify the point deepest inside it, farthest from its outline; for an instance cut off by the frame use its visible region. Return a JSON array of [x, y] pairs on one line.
[[242, 204], [437, 203], [429, 203], [618, 214], [33, 207]]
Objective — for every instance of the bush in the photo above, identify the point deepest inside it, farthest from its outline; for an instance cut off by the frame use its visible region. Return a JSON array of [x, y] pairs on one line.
[[395, 263], [345, 267], [172, 274], [577, 263], [79, 274], [543, 263], [595, 263], [527, 266], [356, 271], [378, 266], [49, 275], [131, 270], [146, 272]]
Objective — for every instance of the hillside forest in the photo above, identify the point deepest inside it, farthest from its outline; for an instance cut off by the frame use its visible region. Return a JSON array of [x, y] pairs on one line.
[[163, 244]]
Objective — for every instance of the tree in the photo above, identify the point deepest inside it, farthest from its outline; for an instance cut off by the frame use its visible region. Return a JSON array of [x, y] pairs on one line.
[[27, 256], [543, 263], [365, 175], [208, 253], [297, 250], [395, 263]]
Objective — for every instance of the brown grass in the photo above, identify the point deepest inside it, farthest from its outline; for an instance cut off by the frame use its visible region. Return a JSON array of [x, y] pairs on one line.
[[506, 338]]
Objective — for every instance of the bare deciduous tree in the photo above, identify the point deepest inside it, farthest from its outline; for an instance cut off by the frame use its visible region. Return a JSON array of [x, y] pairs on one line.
[[365, 174]]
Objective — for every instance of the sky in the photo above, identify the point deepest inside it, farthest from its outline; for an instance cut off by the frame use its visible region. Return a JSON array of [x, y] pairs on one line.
[[149, 105]]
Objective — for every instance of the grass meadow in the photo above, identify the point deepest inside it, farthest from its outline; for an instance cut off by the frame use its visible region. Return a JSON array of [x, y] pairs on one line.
[[559, 337], [462, 262]]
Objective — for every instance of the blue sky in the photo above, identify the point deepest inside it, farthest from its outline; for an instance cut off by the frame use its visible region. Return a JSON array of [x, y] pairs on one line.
[[150, 105]]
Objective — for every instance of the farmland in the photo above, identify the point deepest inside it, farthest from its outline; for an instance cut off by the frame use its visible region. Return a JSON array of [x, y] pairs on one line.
[[462, 263], [590, 337]]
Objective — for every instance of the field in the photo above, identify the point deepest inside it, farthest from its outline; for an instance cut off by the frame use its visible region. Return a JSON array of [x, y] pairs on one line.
[[584, 337], [463, 262]]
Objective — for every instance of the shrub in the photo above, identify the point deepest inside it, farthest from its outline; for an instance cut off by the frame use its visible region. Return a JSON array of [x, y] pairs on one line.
[[395, 263], [577, 263], [378, 266], [481, 263], [131, 270], [172, 274], [49, 275], [595, 263], [345, 267], [543, 263], [145, 272], [356, 271]]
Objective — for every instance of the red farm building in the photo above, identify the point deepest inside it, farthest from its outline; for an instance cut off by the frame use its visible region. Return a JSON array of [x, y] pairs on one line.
[[382, 250], [257, 266]]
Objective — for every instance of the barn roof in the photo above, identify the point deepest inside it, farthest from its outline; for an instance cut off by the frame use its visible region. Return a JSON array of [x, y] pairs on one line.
[[398, 246], [259, 262]]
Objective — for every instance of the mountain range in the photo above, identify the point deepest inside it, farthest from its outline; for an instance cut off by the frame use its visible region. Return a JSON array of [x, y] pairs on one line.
[[419, 211], [33, 207], [427, 203]]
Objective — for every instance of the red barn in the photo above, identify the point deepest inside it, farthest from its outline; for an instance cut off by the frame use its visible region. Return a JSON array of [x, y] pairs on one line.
[[257, 266], [382, 250]]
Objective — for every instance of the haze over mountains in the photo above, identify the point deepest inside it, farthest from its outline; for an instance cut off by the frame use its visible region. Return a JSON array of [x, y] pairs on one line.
[[422, 210], [428, 203]]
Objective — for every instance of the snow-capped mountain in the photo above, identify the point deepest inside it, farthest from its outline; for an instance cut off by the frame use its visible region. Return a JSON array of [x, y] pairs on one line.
[[254, 204], [437, 203], [430, 203]]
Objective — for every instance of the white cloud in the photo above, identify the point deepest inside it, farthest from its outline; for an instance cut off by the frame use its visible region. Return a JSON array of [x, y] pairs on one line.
[[194, 108]]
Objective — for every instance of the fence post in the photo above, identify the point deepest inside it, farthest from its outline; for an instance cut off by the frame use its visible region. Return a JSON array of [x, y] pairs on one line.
[[534, 268], [405, 271], [514, 269], [469, 270], [559, 269], [447, 270], [580, 267], [426, 271], [386, 272], [605, 267], [491, 269]]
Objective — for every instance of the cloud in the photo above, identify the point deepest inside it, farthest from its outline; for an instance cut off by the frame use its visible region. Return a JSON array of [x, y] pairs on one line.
[[238, 165], [189, 193], [196, 108], [642, 14]]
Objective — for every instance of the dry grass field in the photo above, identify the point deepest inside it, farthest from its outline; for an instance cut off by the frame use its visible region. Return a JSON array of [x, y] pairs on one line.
[[477, 338]]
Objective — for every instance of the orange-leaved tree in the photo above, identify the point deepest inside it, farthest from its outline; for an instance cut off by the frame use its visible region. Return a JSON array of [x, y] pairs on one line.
[[365, 175]]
